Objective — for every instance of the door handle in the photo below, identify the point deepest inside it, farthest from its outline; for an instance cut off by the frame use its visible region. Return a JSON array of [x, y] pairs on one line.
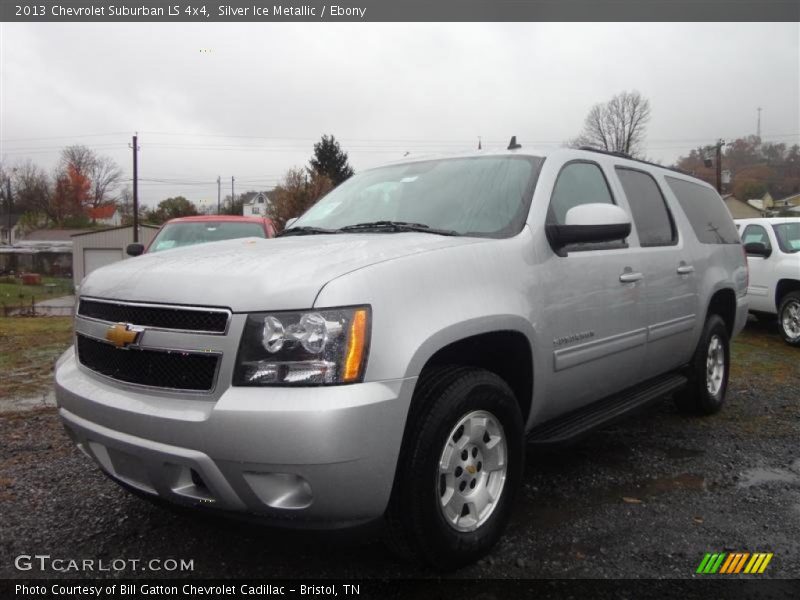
[[685, 269], [630, 277]]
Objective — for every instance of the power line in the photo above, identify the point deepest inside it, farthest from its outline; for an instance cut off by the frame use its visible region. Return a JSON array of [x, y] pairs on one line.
[[63, 137]]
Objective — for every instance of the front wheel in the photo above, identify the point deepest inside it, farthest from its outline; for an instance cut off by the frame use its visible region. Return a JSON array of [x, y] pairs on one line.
[[789, 318], [459, 469]]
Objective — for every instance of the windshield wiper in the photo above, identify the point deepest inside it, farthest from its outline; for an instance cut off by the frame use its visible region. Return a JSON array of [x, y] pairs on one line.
[[305, 231], [396, 226]]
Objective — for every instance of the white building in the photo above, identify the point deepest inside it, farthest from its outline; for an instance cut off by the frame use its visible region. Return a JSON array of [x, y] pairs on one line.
[[257, 206], [100, 247]]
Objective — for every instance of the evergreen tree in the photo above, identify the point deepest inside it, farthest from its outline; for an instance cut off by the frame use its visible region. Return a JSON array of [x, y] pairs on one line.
[[330, 160]]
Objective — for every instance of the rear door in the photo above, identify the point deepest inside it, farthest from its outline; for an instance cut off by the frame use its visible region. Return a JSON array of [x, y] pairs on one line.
[[670, 295]]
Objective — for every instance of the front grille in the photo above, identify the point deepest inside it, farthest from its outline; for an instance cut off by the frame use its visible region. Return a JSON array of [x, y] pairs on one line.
[[162, 317], [157, 368]]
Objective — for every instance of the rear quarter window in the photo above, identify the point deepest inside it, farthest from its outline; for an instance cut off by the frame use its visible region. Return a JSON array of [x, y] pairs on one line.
[[710, 219]]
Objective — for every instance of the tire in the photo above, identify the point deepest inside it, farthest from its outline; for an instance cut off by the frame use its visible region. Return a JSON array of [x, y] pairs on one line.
[[461, 418], [789, 318], [708, 383]]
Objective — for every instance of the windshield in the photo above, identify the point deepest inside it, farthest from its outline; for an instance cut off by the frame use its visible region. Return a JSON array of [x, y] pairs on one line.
[[482, 196], [788, 235], [176, 235]]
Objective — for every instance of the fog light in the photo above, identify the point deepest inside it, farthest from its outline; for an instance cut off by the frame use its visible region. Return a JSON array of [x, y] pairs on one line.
[[280, 490]]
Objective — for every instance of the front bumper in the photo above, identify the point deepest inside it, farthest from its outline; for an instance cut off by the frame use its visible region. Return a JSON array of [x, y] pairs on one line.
[[312, 456]]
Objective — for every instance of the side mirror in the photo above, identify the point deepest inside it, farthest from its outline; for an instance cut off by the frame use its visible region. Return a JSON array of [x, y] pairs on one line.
[[590, 223], [757, 249], [290, 222], [135, 249]]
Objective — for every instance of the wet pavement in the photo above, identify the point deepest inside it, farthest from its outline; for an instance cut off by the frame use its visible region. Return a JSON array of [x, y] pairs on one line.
[[647, 497]]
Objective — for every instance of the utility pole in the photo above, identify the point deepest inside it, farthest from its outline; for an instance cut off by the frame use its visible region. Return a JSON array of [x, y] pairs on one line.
[[9, 203], [758, 126], [219, 192], [720, 143], [232, 196], [135, 148]]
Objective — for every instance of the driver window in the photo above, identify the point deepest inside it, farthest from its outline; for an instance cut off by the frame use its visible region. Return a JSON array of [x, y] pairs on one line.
[[578, 183]]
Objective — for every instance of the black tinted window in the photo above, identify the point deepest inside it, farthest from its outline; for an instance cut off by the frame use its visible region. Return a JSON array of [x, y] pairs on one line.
[[710, 219], [650, 214], [578, 183]]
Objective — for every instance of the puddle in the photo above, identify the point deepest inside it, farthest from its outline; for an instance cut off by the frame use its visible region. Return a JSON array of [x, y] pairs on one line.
[[764, 476], [29, 403]]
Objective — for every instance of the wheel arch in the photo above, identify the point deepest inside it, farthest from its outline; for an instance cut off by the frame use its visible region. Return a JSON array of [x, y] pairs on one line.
[[783, 287], [503, 345], [723, 303]]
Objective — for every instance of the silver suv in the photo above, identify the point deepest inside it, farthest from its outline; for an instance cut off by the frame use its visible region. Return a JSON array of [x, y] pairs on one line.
[[390, 355]]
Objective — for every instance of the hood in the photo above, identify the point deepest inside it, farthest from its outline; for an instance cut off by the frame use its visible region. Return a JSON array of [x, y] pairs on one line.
[[252, 274]]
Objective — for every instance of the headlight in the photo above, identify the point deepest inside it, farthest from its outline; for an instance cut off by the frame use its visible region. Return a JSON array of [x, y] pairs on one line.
[[314, 347]]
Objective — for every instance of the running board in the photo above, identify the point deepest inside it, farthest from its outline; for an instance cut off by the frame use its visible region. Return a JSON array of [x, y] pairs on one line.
[[581, 421]]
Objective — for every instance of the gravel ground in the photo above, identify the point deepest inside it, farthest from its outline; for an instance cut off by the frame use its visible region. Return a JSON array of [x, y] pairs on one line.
[[645, 498]]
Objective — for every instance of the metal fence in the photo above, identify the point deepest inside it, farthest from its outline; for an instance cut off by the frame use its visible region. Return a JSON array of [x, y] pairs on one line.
[[30, 309]]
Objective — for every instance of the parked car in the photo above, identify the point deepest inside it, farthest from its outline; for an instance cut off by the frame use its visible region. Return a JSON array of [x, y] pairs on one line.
[[773, 256], [389, 355], [188, 231]]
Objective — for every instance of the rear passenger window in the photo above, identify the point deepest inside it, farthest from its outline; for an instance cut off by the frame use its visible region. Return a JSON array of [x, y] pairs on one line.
[[578, 183], [710, 219], [650, 214]]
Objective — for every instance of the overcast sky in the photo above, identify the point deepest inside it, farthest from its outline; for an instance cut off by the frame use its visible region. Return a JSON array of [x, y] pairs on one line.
[[253, 103]]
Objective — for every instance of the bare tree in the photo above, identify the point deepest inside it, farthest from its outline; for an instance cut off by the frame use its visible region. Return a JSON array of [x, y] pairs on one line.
[[105, 176], [33, 189], [618, 125], [84, 180], [78, 157]]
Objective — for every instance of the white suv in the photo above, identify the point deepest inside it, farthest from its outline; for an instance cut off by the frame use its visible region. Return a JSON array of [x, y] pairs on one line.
[[773, 255]]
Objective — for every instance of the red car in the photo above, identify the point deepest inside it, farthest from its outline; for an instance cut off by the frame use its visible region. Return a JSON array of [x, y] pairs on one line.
[[187, 231]]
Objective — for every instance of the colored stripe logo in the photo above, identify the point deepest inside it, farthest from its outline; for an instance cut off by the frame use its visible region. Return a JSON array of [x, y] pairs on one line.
[[734, 563]]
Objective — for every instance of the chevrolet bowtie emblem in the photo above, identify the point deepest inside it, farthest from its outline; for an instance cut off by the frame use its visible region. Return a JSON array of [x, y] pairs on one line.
[[123, 334], [471, 470]]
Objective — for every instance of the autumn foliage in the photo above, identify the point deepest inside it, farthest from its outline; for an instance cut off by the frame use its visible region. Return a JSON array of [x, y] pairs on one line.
[[755, 167], [71, 196], [298, 192]]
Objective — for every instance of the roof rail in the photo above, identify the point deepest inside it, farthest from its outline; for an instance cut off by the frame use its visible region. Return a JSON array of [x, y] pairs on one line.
[[629, 157]]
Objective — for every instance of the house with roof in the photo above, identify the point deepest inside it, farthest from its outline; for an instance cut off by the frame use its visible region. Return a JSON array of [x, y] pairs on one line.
[[787, 203], [740, 209], [105, 214], [9, 229], [256, 206]]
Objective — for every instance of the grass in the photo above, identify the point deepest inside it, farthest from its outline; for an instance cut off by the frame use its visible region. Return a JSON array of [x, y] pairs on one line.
[[759, 351], [28, 348], [15, 294]]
